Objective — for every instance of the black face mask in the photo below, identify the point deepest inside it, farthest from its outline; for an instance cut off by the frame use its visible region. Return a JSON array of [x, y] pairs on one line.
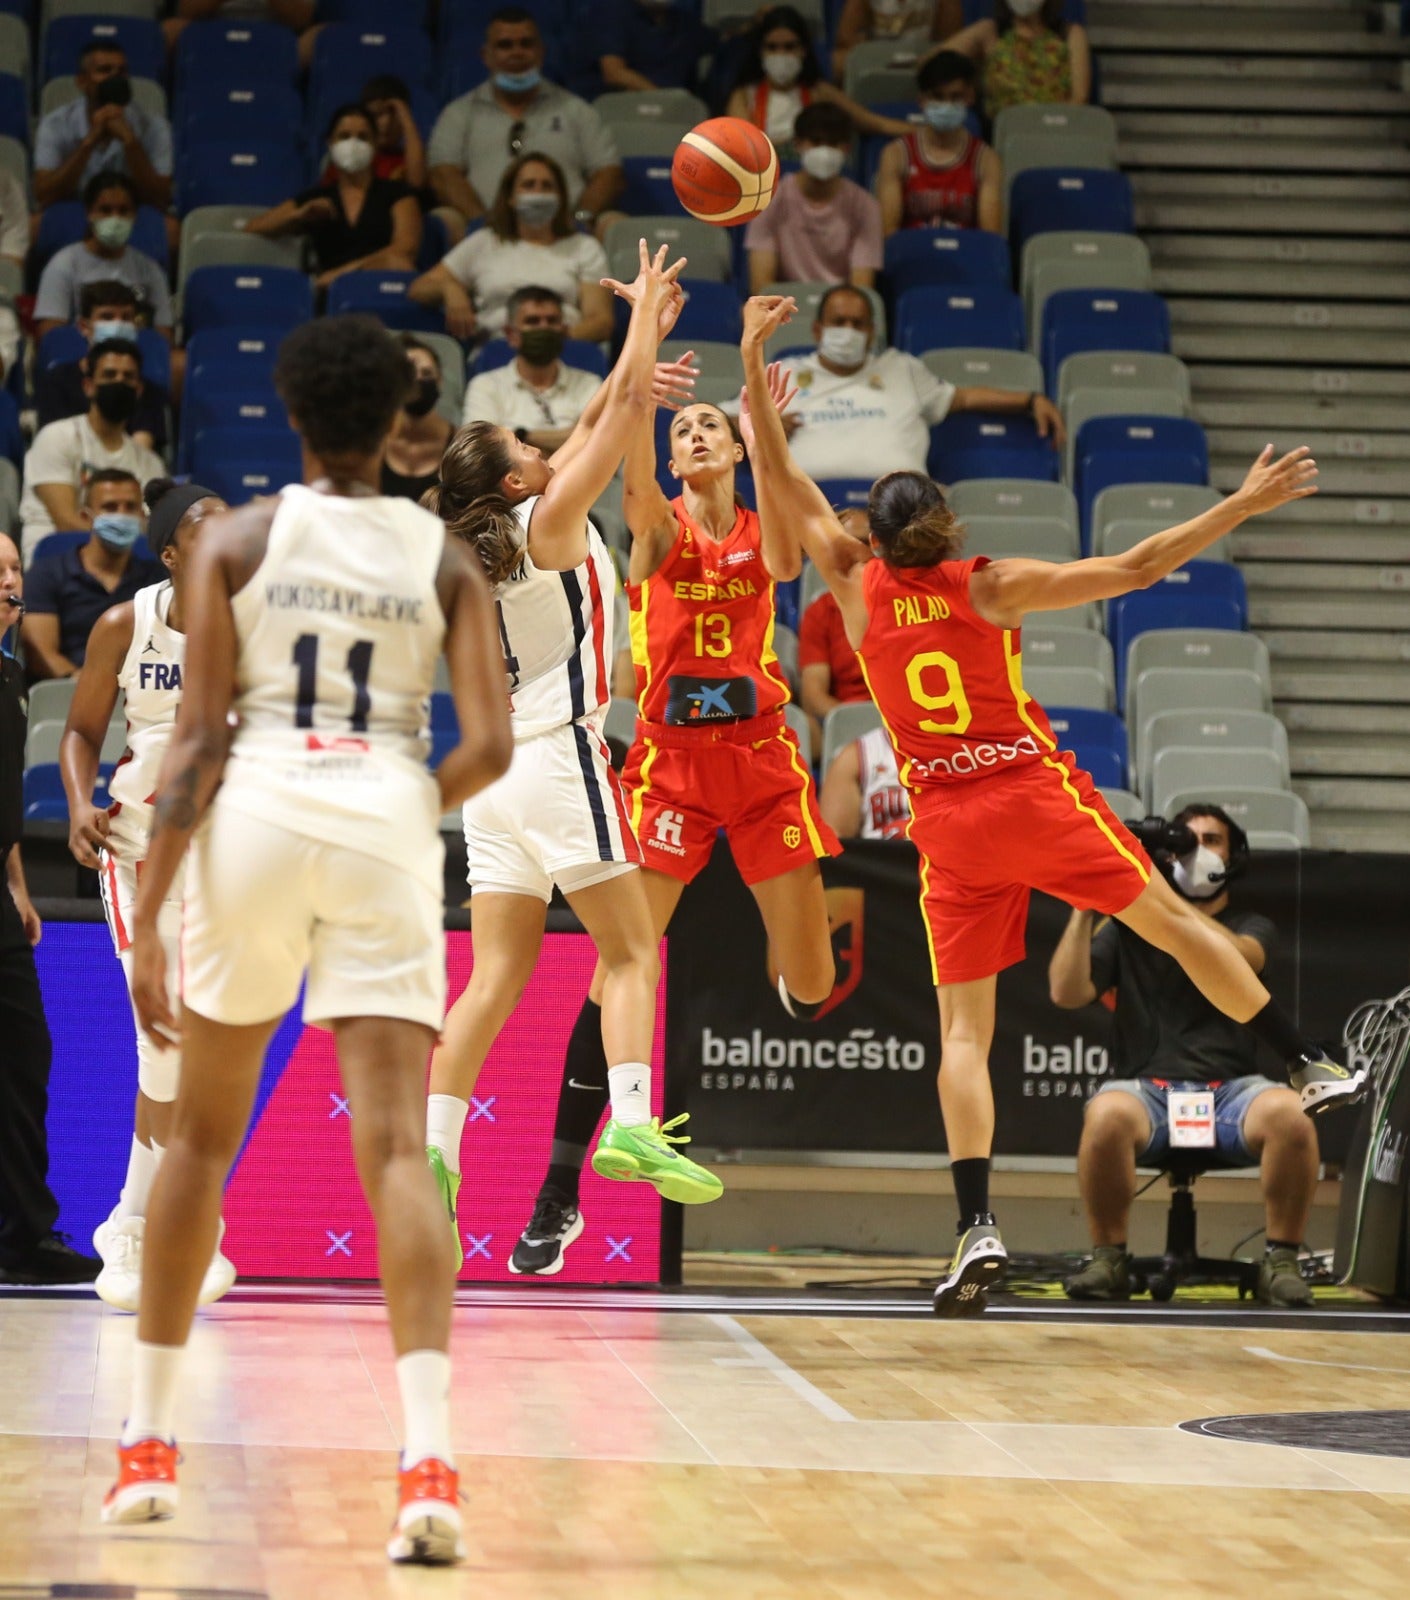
[[541, 347], [423, 397], [115, 401]]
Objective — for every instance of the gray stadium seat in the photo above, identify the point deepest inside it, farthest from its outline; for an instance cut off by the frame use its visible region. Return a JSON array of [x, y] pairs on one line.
[[1042, 538], [1124, 804], [705, 246], [1272, 839], [1087, 619], [1108, 270], [798, 334], [1212, 730], [1012, 498], [989, 369], [721, 367], [1157, 689], [843, 724], [620, 724], [9, 498], [1204, 648], [882, 71], [146, 92], [1055, 122], [1123, 369], [643, 138], [11, 281], [814, 584], [440, 684], [730, 13], [147, 9], [1255, 810], [607, 514], [797, 719], [1166, 503], [650, 105], [1070, 686], [14, 158], [49, 700], [786, 649], [1116, 536], [42, 740], [1180, 768], [14, 45], [1068, 647], [1025, 151]]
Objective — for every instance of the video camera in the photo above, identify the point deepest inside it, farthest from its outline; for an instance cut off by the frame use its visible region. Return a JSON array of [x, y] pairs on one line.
[[1164, 840]]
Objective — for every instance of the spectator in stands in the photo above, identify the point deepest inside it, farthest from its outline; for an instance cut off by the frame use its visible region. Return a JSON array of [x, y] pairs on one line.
[[779, 75], [828, 667], [70, 589], [1166, 1034], [66, 454], [912, 21], [14, 245], [529, 238], [296, 15], [420, 434], [357, 221], [477, 136], [821, 226], [102, 130], [860, 415], [862, 794], [537, 395], [103, 253], [940, 175], [1027, 55], [401, 152], [107, 309], [649, 44]]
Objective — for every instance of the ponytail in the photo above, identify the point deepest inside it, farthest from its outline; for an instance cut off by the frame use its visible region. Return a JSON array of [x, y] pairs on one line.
[[911, 522], [470, 501]]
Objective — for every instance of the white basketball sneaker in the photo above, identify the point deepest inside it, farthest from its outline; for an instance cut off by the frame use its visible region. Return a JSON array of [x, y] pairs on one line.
[[220, 1275], [119, 1284]]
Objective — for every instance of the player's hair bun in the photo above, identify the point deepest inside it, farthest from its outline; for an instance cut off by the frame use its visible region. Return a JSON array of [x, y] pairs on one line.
[[912, 522], [153, 491]]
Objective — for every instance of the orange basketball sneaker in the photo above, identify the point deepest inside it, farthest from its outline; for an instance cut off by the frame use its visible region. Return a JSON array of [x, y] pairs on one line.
[[145, 1490], [427, 1528]]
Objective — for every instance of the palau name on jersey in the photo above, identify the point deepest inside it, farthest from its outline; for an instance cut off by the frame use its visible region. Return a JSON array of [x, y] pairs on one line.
[[913, 608], [344, 602], [735, 589], [159, 675]]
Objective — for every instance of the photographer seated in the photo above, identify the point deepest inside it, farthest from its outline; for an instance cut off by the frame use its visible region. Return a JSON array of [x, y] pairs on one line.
[[1166, 1035]]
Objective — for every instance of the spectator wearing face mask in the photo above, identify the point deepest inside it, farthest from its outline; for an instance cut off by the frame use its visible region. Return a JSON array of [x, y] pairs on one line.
[[110, 201], [779, 76], [537, 395], [107, 309], [919, 20], [821, 226], [940, 175], [1027, 55], [529, 239], [356, 220], [66, 454], [67, 592], [420, 433]]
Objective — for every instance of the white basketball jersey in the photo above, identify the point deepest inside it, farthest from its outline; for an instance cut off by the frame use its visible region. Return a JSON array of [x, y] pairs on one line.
[[150, 679], [886, 807], [339, 633], [556, 632]]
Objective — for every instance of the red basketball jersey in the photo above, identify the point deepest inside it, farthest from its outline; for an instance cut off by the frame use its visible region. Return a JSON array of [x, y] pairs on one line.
[[703, 629], [949, 685], [941, 197]]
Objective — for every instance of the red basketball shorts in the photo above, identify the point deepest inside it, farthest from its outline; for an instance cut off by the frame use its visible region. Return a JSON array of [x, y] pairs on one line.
[[985, 844], [749, 778]]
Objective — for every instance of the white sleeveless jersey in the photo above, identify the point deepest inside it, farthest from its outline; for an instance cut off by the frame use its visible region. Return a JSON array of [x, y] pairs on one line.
[[886, 807], [556, 632], [150, 679], [339, 632]]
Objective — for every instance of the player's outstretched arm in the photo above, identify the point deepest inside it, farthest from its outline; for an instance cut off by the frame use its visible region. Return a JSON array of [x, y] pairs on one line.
[[81, 748], [672, 386], [476, 663], [1006, 591]]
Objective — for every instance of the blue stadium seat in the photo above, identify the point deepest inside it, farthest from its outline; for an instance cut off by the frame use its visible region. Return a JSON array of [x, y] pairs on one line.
[[238, 172], [214, 55], [66, 38], [1135, 450], [976, 315], [845, 494], [1050, 199], [238, 112], [44, 790], [711, 311], [347, 55], [463, 71], [240, 351], [241, 463], [1075, 320], [648, 189], [11, 438], [978, 444], [1096, 738], [463, 23], [59, 346], [246, 297], [65, 222], [576, 353], [443, 715], [227, 407], [919, 256], [14, 108], [383, 294], [1201, 594], [374, 13]]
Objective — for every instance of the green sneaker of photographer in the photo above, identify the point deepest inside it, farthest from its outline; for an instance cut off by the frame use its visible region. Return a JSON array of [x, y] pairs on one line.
[[1107, 1276], [1280, 1282]]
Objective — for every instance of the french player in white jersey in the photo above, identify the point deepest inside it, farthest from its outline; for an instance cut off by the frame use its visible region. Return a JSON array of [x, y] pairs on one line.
[[317, 618], [558, 816], [137, 649]]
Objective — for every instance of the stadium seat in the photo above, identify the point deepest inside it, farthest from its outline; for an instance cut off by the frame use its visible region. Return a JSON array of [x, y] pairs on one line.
[[881, 70], [15, 51], [1100, 319], [989, 369], [146, 92], [1045, 199], [65, 222], [383, 294], [711, 311], [1197, 649], [979, 444], [1087, 404], [42, 740], [212, 246], [1201, 594], [814, 585], [842, 725], [12, 443], [721, 367], [14, 107], [1141, 371], [237, 172], [346, 55], [1066, 647], [140, 39], [44, 799], [927, 319], [623, 107], [1158, 689], [655, 140], [1257, 811], [916, 257], [272, 444], [1039, 538], [1165, 503], [1013, 498], [846, 493], [1101, 278], [238, 112], [374, 13], [1113, 538], [1026, 152], [648, 190], [1096, 738], [796, 718], [1126, 806], [246, 297], [9, 493], [227, 408], [50, 699], [212, 55], [1084, 688], [1057, 124], [1177, 770], [1112, 450], [706, 248], [1099, 254], [576, 353], [1211, 730]]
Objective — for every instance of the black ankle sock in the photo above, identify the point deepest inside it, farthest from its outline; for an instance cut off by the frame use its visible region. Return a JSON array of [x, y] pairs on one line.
[[582, 1098], [971, 1177], [1284, 1244], [563, 1177], [1277, 1030]]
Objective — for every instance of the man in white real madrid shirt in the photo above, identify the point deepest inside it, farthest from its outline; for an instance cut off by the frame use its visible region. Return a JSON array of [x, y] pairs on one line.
[[137, 648], [317, 617]]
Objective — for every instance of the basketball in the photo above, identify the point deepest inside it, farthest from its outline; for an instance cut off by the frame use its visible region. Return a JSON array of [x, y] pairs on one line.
[[725, 171]]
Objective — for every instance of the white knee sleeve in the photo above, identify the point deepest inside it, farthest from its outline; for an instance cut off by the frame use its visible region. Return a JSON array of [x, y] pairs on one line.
[[158, 1065]]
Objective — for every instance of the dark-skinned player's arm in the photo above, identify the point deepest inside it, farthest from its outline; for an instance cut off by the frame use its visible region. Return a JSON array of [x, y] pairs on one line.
[[90, 710], [477, 685], [788, 497], [1004, 592]]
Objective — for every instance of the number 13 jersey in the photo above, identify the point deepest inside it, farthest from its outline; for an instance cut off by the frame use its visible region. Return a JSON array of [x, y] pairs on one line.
[[339, 631], [948, 684]]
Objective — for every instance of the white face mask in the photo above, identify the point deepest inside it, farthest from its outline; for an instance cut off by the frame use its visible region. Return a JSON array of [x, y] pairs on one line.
[[1025, 8], [823, 162], [781, 68], [1200, 875], [844, 347], [351, 155]]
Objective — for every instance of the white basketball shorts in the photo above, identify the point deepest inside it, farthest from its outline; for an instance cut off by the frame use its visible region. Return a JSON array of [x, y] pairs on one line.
[[265, 904], [557, 816], [158, 1064]]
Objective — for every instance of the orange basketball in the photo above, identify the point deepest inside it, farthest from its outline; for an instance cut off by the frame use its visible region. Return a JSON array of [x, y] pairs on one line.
[[725, 171]]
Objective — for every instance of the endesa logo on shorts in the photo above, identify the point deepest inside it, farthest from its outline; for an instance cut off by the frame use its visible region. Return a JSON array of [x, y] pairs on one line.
[[972, 758]]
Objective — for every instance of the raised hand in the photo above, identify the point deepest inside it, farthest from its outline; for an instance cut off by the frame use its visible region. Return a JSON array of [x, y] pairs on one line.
[[654, 279], [782, 391], [765, 314], [673, 385], [1271, 484]]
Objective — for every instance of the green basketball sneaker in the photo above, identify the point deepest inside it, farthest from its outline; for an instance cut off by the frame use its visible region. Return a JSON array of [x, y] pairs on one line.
[[448, 1183], [645, 1152]]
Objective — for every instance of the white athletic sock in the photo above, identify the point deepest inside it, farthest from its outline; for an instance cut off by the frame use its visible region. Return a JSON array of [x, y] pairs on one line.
[[155, 1369], [630, 1087], [423, 1376], [445, 1122], [141, 1169]]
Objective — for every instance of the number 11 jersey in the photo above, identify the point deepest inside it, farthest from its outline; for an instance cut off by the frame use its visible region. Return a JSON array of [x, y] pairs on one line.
[[339, 632]]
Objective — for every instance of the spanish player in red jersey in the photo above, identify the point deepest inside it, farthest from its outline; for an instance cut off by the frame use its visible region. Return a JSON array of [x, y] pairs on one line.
[[712, 751], [998, 808]]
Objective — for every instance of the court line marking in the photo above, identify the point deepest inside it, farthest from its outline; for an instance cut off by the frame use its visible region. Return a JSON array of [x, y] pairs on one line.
[[762, 1356], [1307, 1361]]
